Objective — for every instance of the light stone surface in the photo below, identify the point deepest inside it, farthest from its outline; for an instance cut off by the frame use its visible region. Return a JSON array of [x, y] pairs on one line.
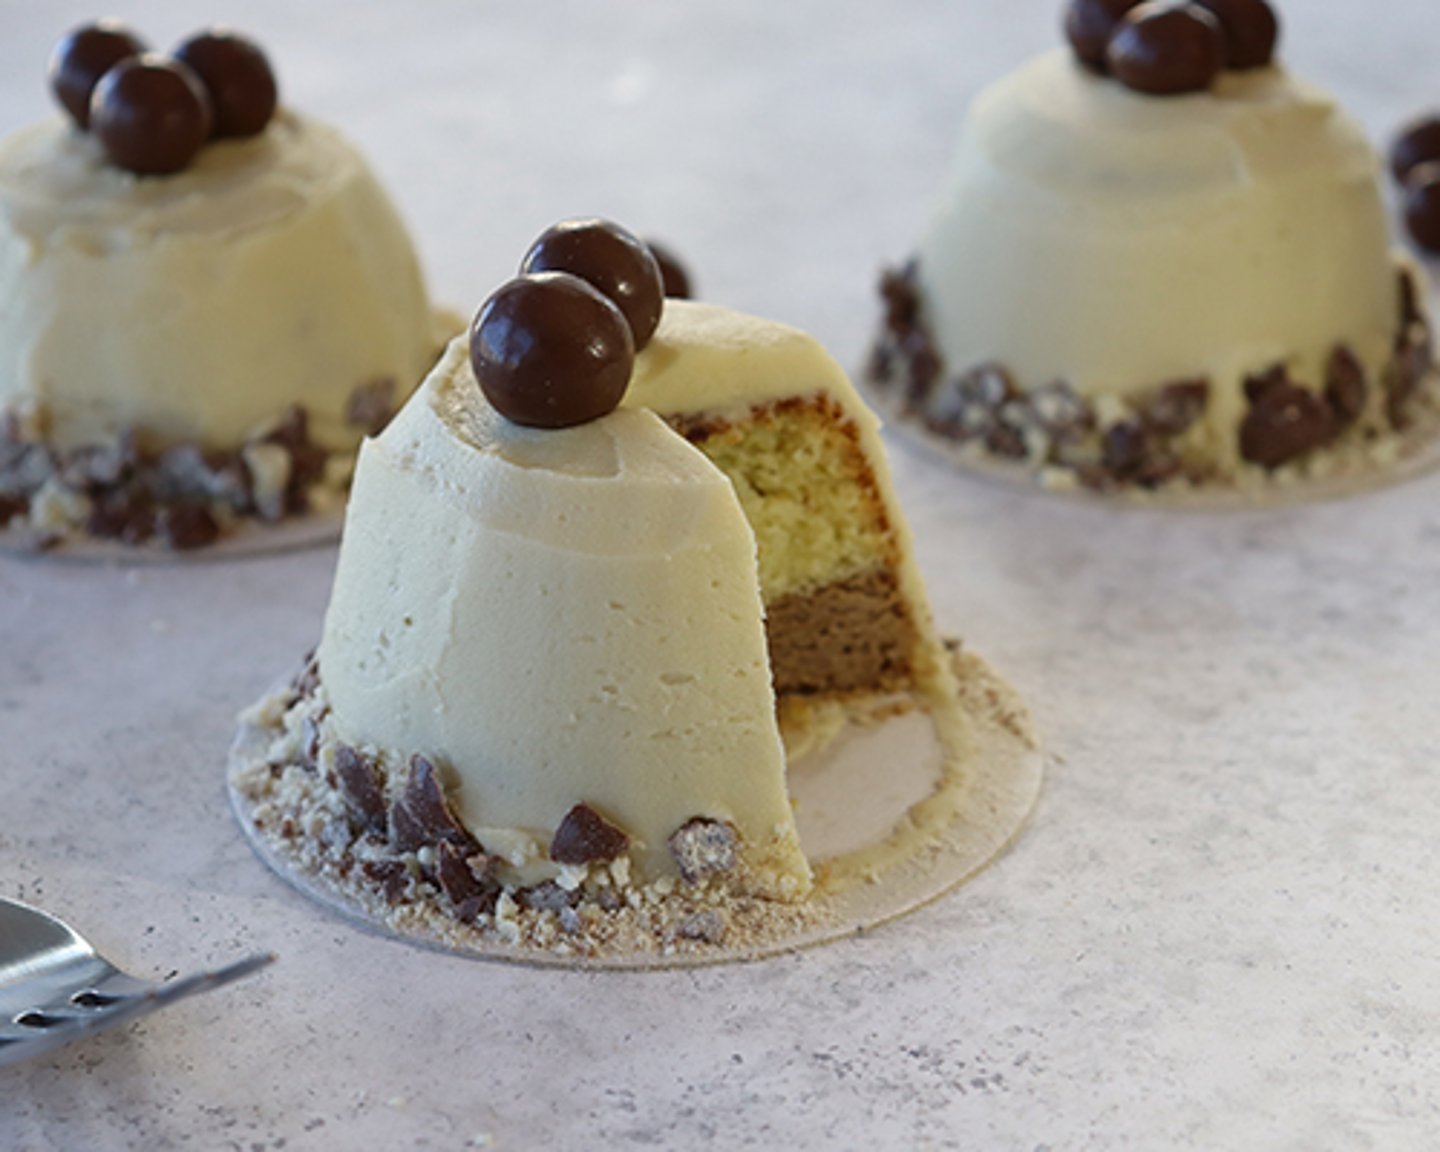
[[1221, 929]]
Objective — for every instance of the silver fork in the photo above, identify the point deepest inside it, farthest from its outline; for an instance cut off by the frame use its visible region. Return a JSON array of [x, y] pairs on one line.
[[55, 988]]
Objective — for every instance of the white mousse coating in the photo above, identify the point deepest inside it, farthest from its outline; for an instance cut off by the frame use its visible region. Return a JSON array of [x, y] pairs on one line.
[[1119, 242], [560, 617], [197, 306]]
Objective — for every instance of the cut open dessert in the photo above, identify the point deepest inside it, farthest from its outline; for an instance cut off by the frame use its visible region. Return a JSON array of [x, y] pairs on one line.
[[1145, 276], [548, 701], [189, 338]]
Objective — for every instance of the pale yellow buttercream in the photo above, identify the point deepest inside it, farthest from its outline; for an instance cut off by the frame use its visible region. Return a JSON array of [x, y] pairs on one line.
[[560, 617], [197, 306], [1118, 241]]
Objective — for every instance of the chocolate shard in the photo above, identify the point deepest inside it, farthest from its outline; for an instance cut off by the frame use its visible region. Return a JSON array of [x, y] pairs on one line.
[[1175, 407], [187, 526], [586, 837], [1409, 300], [1345, 386], [1285, 421], [902, 302], [307, 680], [127, 514], [95, 467], [307, 459], [1125, 446], [12, 508], [467, 879], [925, 368], [371, 405], [703, 847], [391, 875], [1262, 382], [421, 815], [361, 787]]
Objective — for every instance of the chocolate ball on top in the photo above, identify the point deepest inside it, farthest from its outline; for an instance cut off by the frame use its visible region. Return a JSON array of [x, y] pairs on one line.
[[238, 77], [1167, 49], [82, 57], [550, 350], [1250, 28], [151, 115], [612, 259], [1089, 24]]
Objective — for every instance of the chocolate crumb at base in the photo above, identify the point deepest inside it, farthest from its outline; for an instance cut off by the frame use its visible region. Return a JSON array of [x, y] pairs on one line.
[[179, 497], [486, 899], [1155, 440]]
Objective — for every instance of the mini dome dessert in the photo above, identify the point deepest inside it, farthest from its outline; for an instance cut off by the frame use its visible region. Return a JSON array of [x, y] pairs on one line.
[[1162, 260], [563, 634], [206, 299]]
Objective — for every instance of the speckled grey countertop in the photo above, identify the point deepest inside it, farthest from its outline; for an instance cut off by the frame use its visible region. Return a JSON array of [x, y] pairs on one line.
[[1222, 928]]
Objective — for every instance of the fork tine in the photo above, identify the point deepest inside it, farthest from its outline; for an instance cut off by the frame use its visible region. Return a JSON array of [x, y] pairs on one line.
[[47, 1027]]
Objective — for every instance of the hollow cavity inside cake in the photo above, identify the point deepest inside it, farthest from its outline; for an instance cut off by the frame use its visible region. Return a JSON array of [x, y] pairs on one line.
[[547, 704], [1123, 291], [187, 349]]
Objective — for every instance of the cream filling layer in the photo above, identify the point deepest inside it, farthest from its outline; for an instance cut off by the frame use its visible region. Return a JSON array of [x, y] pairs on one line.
[[197, 306]]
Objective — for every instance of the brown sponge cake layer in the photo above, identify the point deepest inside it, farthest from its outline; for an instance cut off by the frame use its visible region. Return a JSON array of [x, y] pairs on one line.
[[856, 635], [836, 618]]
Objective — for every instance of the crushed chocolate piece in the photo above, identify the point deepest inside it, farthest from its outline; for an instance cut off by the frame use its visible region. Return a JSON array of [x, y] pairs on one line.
[[1005, 440], [362, 787], [1345, 387], [1125, 447], [1055, 425], [125, 514], [307, 459], [1409, 301], [902, 302], [703, 847], [93, 468], [307, 680], [309, 742], [1285, 421], [1174, 408], [547, 897], [586, 837], [187, 526], [421, 815], [392, 876], [925, 368], [466, 877], [188, 473], [12, 507], [371, 405], [1276, 376], [1158, 467], [1407, 371], [709, 926]]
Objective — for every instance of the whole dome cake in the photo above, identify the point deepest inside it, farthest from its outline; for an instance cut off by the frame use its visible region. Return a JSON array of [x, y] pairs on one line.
[[1161, 259], [206, 299], [565, 636]]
